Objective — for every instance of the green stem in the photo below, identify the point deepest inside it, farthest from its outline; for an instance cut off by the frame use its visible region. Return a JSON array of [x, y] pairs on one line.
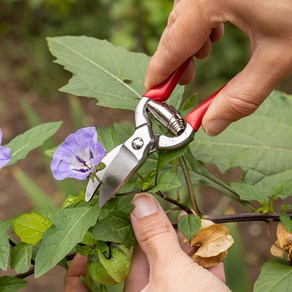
[[175, 202], [189, 186]]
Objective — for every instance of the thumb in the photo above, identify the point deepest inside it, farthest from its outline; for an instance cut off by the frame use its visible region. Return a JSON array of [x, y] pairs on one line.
[[246, 91], [153, 230]]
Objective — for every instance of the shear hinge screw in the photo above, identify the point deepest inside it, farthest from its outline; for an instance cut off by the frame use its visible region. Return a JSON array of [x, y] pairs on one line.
[[137, 143]]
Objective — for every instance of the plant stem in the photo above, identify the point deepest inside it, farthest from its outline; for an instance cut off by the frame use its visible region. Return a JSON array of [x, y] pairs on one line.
[[189, 186], [69, 257], [175, 202], [245, 217]]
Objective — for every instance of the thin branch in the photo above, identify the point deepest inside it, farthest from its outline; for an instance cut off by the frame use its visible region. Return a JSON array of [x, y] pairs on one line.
[[245, 217], [189, 186], [69, 257], [26, 274], [175, 202]]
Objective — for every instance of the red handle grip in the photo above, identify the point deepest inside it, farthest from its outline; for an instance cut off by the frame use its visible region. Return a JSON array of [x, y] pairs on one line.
[[162, 91], [195, 117]]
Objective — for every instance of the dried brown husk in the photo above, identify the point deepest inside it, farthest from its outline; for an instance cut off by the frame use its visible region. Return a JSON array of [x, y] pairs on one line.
[[209, 262], [211, 244], [283, 245]]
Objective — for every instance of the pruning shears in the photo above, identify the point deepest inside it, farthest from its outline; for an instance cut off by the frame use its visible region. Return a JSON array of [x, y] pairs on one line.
[[124, 160]]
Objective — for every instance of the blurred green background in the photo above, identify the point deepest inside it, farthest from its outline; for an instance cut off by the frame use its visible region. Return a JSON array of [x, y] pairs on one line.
[[29, 83]]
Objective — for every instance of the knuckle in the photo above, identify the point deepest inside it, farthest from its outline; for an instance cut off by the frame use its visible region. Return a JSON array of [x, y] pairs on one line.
[[168, 42], [172, 17], [243, 102], [155, 233]]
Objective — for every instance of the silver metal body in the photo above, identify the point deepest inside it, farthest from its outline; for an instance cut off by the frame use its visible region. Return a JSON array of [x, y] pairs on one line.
[[124, 160]]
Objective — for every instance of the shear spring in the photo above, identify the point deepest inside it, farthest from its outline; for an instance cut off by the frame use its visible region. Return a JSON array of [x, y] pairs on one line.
[[167, 116]]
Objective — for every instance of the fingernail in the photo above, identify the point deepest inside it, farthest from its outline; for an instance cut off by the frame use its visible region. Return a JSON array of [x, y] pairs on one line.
[[145, 205], [215, 127]]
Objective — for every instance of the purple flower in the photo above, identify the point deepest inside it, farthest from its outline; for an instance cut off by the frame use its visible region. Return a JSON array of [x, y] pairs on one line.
[[5, 153], [78, 155]]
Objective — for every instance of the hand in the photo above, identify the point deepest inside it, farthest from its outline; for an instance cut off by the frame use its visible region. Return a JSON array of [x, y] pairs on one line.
[[159, 262], [77, 268], [192, 27]]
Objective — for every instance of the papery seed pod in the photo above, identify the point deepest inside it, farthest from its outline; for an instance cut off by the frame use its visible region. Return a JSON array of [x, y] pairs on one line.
[[109, 268], [211, 244]]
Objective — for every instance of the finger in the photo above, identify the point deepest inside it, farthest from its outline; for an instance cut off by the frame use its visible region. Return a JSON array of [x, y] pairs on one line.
[[188, 74], [185, 245], [183, 37], [139, 274], [218, 271], [154, 232], [205, 50], [77, 268], [247, 90], [217, 33]]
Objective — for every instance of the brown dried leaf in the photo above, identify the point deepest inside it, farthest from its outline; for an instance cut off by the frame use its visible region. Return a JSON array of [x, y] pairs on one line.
[[206, 223], [276, 250], [283, 244], [211, 244], [209, 262], [284, 237], [215, 247]]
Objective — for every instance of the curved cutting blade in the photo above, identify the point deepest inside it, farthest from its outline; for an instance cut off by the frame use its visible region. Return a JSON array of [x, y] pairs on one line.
[[93, 184], [117, 174]]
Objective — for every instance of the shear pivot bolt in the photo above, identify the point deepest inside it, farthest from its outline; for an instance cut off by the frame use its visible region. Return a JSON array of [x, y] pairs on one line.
[[137, 143]]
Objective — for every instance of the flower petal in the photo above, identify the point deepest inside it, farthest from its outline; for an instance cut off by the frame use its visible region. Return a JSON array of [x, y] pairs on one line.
[[5, 155], [78, 155]]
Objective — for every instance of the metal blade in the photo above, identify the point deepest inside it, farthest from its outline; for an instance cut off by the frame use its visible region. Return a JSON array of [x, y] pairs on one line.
[[93, 184], [117, 174]]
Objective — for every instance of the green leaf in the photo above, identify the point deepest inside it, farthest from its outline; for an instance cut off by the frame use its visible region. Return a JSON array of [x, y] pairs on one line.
[[189, 225], [286, 221], [249, 192], [84, 250], [275, 276], [260, 144], [167, 156], [188, 104], [103, 71], [11, 284], [88, 239], [31, 227], [20, 257], [167, 181], [116, 227], [4, 246], [73, 200], [123, 204], [21, 145], [282, 190], [114, 135], [70, 226], [35, 194], [46, 212]]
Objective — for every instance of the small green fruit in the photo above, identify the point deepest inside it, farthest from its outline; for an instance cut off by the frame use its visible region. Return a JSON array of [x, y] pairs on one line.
[[111, 267]]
